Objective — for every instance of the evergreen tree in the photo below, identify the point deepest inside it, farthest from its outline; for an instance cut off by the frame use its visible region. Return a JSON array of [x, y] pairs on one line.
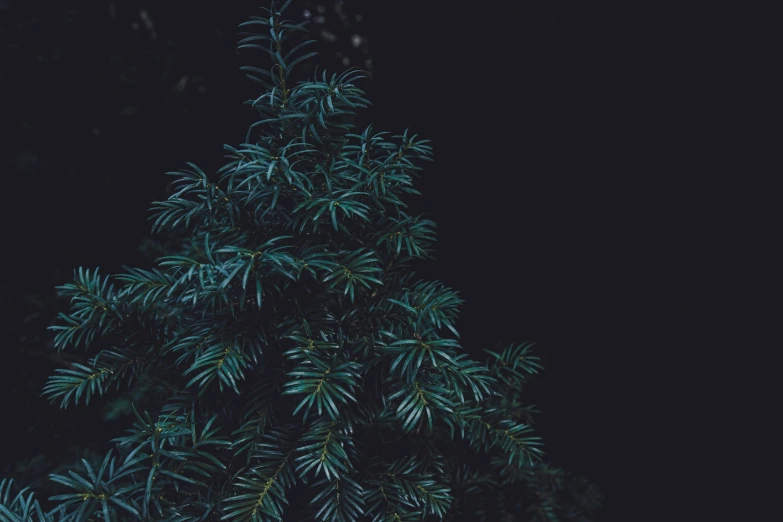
[[282, 362]]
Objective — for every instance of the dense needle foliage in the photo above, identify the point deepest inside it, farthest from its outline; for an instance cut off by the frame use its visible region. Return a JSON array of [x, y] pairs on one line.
[[282, 361]]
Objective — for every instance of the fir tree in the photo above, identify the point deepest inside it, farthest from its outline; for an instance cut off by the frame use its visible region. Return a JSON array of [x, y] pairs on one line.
[[282, 362]]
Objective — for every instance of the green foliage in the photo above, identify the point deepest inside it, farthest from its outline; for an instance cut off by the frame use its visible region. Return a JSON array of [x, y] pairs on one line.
[[289, 365]]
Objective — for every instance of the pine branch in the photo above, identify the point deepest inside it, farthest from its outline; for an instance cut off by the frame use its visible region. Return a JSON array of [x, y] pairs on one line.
[[287, 280]]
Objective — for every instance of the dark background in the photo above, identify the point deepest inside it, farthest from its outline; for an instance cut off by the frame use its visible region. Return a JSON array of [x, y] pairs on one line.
[[582, 187]]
